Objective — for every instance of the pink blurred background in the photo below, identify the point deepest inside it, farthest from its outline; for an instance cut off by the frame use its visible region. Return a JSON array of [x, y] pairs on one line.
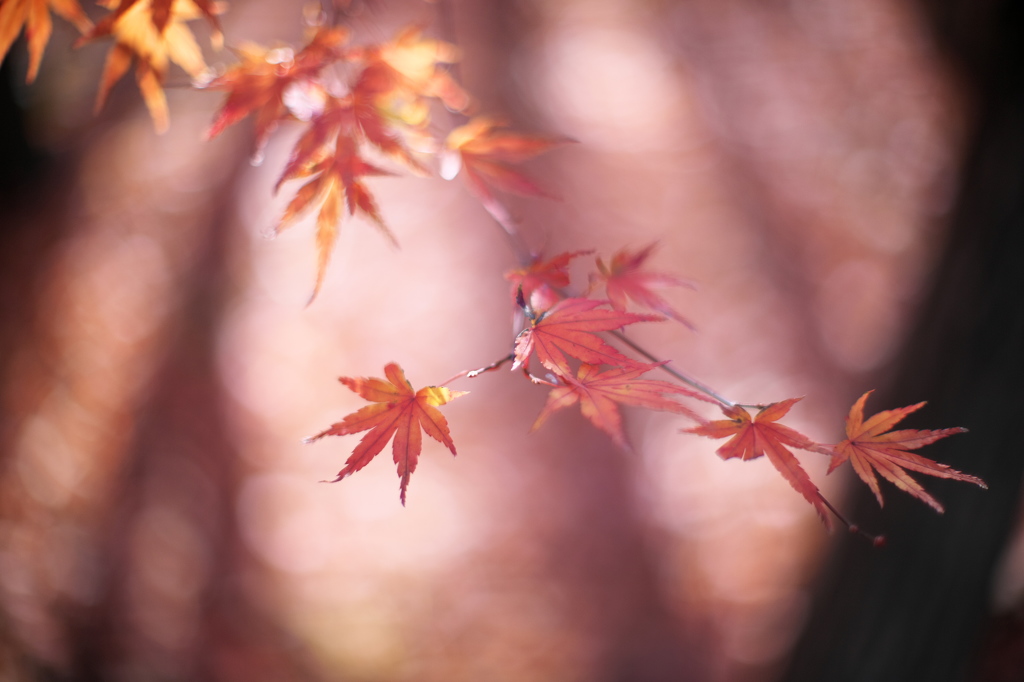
[[160, 517]]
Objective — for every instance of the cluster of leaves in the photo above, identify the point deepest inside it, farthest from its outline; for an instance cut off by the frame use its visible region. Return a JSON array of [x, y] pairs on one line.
[[582, 367], [365, 105], [150, 33], [365, 101], [357, 102]]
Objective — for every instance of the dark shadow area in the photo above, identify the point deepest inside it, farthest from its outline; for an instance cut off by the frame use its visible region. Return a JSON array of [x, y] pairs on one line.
[[920, 608]]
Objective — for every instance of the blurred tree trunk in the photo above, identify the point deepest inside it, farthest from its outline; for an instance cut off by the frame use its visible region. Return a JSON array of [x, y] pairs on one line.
[[914, 610], [179, 462]]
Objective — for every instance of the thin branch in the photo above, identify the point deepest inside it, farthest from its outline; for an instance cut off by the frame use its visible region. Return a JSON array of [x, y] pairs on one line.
[[876, 540], [524, 255], [681, 376], [470, 373], [509, 228]]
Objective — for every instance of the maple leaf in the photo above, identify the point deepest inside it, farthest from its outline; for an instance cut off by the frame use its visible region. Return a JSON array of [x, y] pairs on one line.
[[397, 411], [750, 438], [336, 176], [159, 12], [483, 152], [545, 277], [570, 328], [625, 279], [260, 82], [378, 124], [34, 15], [319, 141], [403, 73], [339, 118], [152, 33], [869, 448], [600, 393]]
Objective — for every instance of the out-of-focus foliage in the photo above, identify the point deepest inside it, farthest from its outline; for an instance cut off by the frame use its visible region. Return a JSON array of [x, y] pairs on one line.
[[159, 517]]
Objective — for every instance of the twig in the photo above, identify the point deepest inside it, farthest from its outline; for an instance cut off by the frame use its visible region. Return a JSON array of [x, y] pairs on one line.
[[681, 376], [876, 540], [470, 373], [524, 255]]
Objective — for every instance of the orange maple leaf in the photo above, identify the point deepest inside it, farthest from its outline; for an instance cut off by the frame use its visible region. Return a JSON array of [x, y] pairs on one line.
[[259, 83], [397, 411], [34, 15], [600, 393], [404, 73], [544, 277], [869, 448], [337, 172], [379, 126], [483, 152], [750, 438], [625, 279], [159, 12], [570, 328], [152, 33]]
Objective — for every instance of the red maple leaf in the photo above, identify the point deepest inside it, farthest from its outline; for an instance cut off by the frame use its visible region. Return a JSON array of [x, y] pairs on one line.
[[869, 448], [544, 277], [405, 72], [600, 393], [397, 411], [625, 279], [259, 83], [570, 328], [484, 151], [750, 438], [335, 174]]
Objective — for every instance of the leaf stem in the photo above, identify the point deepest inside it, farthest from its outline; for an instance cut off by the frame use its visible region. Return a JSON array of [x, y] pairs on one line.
[[499, 212], [876, 540], [470, 373]]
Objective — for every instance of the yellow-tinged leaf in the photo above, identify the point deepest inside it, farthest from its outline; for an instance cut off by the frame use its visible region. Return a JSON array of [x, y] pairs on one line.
[[402, 74], [154, 34], [417, 59], [34, 16], [399, 413]]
